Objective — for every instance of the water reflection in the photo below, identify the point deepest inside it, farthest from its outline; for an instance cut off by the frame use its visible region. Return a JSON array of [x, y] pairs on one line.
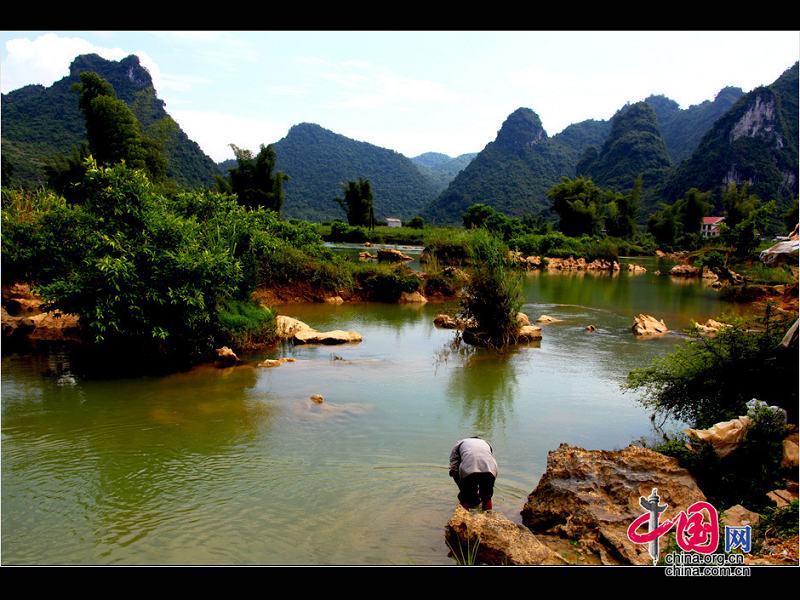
[[483, 384]]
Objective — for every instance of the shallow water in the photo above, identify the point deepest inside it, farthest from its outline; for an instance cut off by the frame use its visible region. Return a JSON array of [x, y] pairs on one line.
[[238, 466]]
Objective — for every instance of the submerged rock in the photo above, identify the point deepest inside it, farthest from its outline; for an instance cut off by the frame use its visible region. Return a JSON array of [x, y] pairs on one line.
[[646, 325], [317, 399], [277, 362], [591, 328], [545, 319], [412, 298], [592, 496], [529, 333], [500, 541], [636, 269], [226, 357], [448, 322], [392, 255]]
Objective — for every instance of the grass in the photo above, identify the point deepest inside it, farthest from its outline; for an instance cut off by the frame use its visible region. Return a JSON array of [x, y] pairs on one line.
[[246, 324], [759, 273], [465, 554]]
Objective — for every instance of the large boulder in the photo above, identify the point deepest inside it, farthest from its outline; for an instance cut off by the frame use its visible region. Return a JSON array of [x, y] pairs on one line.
[[789, 460], [24, 319], [499, 541], [529, 333], [226, 357], [411, 298], [522, 319], [646, 326], [287, 328], [710, 328], [685, 271], [392, 255], [592, 496]]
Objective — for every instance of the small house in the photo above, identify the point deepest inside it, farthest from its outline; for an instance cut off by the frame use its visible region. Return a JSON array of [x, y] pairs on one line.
[[710, 226], [392, 222]]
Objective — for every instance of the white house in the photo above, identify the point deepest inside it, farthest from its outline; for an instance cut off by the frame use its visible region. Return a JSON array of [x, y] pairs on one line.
[[710, 226], [392, 222]]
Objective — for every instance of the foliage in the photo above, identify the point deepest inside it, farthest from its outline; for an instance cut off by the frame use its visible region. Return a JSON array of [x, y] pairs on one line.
[[318, 160], [441, 169], [358, 203], [759, 273], [585, 209], [678, 225], [449, 246], [483, 216], [744, 476], [253, 181], [790, 217], [416, 223], [385, 283], [708, 380], [780, 523], [744, 237], [41, 123], [244, 324], [492, 297], [465, 556]]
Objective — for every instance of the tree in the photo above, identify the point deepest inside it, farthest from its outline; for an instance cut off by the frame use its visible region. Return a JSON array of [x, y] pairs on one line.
[[664, 224], [417, 223], [113, 131], [253, 180], [738, 203], [790, 218], [693, 207], [744, 237], [621, 211], [579, 204], [358, 203]]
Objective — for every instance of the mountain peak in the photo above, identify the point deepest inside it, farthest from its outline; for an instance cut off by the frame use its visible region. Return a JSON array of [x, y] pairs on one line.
[[130, 66], [522, 129]]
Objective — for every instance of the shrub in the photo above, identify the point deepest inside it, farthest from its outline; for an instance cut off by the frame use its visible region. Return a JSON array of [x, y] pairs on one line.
[[384, 283], [244, 324]]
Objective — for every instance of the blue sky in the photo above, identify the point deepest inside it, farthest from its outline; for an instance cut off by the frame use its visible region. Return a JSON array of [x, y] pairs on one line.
[[409, 91]]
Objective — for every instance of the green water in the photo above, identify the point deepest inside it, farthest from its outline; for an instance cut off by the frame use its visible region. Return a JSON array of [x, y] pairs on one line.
[[238, 466]]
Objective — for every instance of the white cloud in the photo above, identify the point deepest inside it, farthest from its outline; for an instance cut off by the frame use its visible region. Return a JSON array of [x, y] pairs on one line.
[[191, 36], [282, 89], [46, 59], [214, 130]]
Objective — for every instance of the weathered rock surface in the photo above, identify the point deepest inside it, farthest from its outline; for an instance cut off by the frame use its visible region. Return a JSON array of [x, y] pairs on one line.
[[274, 362], [790, 452], [392, 255], [534, 262], [522, 319], [367, 256], [287, 328], [593, 496], [412, 298], [502, 542], [23, 318], [646, 325], [529, 333], [580, 264], [684, 271], [226, 357], [547, 319], [448, 322], [636, 269], [738, 515], [317, 399], [710, 328], [781, 497], [335, 300], [591, 328], [724, 437]]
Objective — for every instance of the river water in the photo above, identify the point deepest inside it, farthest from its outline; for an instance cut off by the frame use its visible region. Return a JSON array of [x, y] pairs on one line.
[[238, 466]]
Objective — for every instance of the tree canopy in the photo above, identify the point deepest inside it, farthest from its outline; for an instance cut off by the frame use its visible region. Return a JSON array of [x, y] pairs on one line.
[[358, 203], [254, 180]]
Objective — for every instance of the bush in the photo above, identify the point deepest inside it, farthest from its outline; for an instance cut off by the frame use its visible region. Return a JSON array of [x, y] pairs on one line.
[[340, 232], [780, 523], [245, 325], [384, 283], [416, 223], [449, 246], [492, 298]]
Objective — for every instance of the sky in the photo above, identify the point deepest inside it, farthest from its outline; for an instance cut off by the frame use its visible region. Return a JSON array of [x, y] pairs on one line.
[[413, 92]]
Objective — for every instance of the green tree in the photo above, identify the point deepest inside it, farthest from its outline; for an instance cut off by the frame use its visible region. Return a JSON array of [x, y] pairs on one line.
[[693, 207], [579, 204], [665, 225], [358, 203], [790, 217], [745, 236], [254, 180], [738, 203], [621, 211], [417, 223], [113, 131]]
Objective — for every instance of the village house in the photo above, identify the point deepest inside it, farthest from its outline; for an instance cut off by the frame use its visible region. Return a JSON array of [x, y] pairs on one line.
[[710, 226]]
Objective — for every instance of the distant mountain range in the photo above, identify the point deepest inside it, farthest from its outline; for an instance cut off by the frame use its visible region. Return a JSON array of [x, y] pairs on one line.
[[40, 123], [736, 137]]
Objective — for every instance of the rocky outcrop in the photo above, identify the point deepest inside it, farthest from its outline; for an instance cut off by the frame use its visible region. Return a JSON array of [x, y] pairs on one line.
[[522, 319], [592, 496], [710, 328], [534, 262], [392, 255], [724, 437], [580, 264], [782, 498], [411, 298], [448, 322], [499, 541], [789, 460], [738, 515], [287, 328], [335, 300], [648, 326], [529, 333], [226, 357], [544, 319], [364, 256], [24, 320], [636, 269], [685, 271]]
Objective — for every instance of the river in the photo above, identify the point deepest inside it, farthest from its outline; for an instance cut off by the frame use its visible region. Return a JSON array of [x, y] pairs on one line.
[[219, 466]]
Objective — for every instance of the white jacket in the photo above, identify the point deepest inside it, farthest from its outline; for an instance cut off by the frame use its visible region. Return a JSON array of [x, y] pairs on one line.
[[472, 455]]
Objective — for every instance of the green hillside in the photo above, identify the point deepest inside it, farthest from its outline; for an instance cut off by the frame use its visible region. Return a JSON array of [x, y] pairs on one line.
[[441, 169]]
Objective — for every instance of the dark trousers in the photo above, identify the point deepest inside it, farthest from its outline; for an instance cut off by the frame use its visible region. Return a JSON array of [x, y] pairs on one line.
[[475, 488]]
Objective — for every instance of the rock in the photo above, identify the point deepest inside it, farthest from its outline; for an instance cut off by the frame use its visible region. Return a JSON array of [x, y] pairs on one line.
[[534, 262], [591, 328], [790, 452], [529, 333], [684, 271], [522, 319], [515, 257], [317, 399], [546, 319], [287, 328], [391, 255], [636, 269], [326, 337], [445, 322], [709, 274], [646, 325], [23, 318], [781, 497], [367, 244], [501, 542], [660, 254], [367, 256], [724, 437], [716, 285], [335, 300], [226, 357], [738, 515], [412, 298], [592, 496], [710, 328], [270, 363]]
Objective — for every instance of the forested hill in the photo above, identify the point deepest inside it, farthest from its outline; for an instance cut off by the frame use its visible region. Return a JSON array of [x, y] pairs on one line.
[[633, 148], [40, 123], [682, 129], [441, 169], [754, 142], [318, 161], [513, 173]]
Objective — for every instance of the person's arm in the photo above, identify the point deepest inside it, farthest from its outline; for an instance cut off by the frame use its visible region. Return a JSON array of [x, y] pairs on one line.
[[455, 460]]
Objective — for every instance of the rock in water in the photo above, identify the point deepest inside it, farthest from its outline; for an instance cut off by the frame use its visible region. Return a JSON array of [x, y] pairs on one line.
[[287, 328], [412, 298], [529, 333], [591, 328], [545, 319], [335, 300], [391, 255], [445, 321], [522, 319], [317, 399], [593, 496], [501, 541], [685, 271], [646, 325], [226, 357]]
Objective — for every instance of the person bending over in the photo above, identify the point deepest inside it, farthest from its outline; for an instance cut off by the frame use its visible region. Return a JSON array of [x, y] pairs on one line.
[[474, 469]]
